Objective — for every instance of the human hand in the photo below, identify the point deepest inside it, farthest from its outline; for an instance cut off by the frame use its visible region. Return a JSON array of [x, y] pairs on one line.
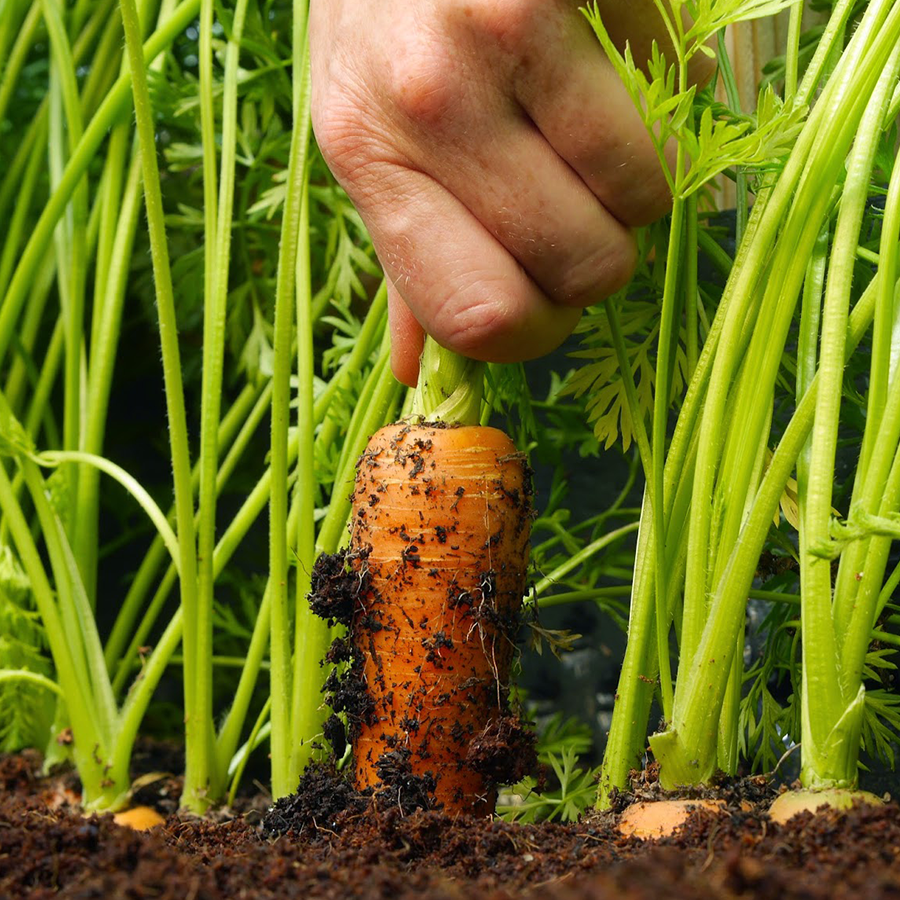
[[495, 157]]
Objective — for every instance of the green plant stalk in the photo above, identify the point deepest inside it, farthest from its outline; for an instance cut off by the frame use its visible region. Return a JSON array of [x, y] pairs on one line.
[[825, 704], [627, 735], [53, 458], [738, 576], [637, 675], [311, 633], [251, 743], [859, 590], [740, 292], [283, 780], [628, 727], [24, 43], [80, 705], [868, 594], [747, 272], [39, 405], [829, 44], [108, 56], [882, 364], [70, 233], [24, 374], [118, 205], [18, 55], [85, 650], [115, 105], [792, 52], [808, 340], [668, 334], [377, 405], [694, 715], [11, 185], [372, 331], [197, 730], [16, 224], [734, 101], [11, 12], [583, 555], [30, 677], [118, 232], [257, 402], [218, 225], [450, 387]]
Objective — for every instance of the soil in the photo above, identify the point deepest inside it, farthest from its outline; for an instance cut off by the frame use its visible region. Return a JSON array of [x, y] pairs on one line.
[[47, 849]]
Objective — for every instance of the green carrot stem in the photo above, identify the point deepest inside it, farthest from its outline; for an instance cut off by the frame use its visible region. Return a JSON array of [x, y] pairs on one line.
[[197, 728], [821, 677], [450, 387], [311, 633], [114, 105]]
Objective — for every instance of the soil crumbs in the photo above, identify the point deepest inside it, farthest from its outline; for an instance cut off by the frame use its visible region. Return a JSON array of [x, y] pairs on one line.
[[48, 850]]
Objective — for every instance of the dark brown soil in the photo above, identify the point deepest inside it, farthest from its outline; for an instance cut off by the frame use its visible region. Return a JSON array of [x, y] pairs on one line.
[[54, 852]]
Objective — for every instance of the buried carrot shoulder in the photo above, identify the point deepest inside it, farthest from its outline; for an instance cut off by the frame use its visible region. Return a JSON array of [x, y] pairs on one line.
[[438, 552]]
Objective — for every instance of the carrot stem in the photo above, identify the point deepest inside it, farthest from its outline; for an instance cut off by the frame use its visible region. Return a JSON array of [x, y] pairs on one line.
[[450, 388]]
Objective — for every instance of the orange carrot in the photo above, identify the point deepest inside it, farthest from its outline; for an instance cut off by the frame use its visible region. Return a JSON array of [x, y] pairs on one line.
[[439, 539]]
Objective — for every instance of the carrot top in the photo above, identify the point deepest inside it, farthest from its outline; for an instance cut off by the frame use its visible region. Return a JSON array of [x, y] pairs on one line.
[[450, 387]]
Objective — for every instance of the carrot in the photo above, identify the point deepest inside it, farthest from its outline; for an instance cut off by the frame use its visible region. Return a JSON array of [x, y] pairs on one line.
[[439, 540]]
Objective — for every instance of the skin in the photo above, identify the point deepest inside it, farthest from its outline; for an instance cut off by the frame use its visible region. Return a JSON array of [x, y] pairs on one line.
[[495, 158]]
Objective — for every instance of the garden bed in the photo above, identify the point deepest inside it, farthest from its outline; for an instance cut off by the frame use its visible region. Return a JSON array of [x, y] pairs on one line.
[[55, 852]]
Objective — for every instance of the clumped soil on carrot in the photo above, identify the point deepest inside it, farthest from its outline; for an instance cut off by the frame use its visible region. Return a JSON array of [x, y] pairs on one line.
[[359, 853], [429, 593]]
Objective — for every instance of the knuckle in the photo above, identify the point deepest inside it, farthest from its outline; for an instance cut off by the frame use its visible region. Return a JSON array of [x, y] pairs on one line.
[[478, 328], [647, 200], [424, 84], [602, 272], [509, 24]]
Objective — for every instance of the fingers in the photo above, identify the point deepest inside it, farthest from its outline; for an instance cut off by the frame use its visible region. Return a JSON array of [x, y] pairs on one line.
[[533, 203], [407, 339], [583, 110], [495, 158], [467, 291]]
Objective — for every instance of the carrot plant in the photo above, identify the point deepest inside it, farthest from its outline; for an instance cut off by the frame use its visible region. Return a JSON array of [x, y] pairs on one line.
[[165, 210], [117, 115], [716, 481]]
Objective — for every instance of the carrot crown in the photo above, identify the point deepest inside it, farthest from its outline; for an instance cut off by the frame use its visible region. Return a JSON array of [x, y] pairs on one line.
[[450, 387]]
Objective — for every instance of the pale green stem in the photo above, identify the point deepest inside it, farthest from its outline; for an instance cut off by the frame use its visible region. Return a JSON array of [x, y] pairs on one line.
[[18, 56], [311, 633], [26, 675], [824, 699], [450, 387], [282, 753], [114, 105], [377, 404], [147, 571], [197, 729], [129, 482], [119, 230], [637, 675], [792, 51], [586, 553], [75, 686], [705, 679]]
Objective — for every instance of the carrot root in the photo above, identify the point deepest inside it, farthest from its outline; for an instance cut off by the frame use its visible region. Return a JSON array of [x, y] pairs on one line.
[[439, 542]]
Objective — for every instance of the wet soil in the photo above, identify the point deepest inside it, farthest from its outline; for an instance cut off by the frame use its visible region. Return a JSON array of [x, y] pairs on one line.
[[47, 849]]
